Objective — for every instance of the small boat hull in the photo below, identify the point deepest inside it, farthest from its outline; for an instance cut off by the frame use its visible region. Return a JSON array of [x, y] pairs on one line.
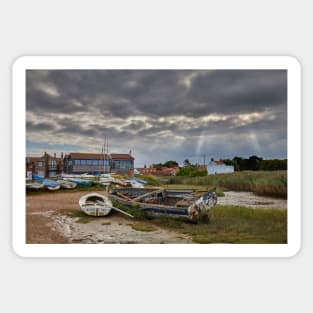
[[51, 184], [80, 182], [95, 204], [53, 188], [34, 186], [66, 184]]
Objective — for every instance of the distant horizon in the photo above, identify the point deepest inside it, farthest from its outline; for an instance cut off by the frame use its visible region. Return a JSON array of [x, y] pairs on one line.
[[158, 114], [191, 159]]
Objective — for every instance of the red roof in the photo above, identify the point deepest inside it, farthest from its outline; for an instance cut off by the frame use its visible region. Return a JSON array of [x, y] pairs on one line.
[[121, 156], [87, 156], [169, 169], [147, 170], [219, 162], [32, 159]]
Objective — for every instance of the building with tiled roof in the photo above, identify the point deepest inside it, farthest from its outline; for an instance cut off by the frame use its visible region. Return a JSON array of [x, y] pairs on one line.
[[122, 163], [97, 163], [44, 166], [79, 163]]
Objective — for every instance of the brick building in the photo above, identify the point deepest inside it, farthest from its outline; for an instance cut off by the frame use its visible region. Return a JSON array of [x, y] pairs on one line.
[[45, 166]]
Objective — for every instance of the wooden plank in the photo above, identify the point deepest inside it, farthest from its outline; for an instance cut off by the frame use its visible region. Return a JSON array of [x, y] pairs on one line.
[[147, 194], [123, 196]]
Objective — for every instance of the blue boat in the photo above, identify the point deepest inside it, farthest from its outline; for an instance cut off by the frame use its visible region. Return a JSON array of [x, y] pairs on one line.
[[51, 184], [47, 183], [81, 182]]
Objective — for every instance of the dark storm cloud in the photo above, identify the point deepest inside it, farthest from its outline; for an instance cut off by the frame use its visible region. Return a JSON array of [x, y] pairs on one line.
[[156, 93], [240, 91], [135, 106]]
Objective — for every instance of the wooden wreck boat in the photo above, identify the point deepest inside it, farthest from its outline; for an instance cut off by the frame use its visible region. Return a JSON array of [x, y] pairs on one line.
[[191, 204]]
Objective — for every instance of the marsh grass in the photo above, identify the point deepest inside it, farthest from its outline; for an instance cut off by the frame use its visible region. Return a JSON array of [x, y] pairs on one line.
[[143, 227], [228, 224], [150, 179], [235, 224], [134, 210], [260, 182]]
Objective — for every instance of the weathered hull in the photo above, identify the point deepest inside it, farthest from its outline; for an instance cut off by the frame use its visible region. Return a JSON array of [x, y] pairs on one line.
[[66, 184], [53, 188], [80, 182], [186, 203], [95, 204], [34, 186]]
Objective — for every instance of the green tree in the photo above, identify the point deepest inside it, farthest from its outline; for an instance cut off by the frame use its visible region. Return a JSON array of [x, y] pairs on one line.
[[191, 172], [187, 163], [170, 163]]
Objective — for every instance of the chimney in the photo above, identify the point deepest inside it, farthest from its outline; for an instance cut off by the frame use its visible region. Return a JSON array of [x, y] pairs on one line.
[[61, 155], [55, 155], [130, 152]]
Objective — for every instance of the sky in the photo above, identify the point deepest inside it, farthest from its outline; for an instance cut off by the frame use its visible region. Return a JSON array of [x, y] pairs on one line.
[[158, 115]]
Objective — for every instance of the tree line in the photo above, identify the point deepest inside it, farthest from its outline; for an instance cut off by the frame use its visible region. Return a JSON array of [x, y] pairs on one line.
[[255, 163]]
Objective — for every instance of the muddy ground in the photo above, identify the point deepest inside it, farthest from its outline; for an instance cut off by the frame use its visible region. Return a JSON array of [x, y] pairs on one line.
[[46, 224]]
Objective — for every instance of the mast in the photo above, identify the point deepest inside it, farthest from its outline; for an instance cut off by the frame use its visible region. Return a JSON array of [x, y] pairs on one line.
[[107, 153], [103, 150]]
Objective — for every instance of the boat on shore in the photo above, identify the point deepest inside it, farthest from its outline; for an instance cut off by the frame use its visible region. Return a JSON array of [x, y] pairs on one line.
[[49, 184], [66, 184], [96, 204], [82, 176], [80, 182], [191, 204], [35, 186]]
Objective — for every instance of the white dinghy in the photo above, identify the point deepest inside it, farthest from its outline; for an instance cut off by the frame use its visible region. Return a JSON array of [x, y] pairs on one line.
[[66, 184], [34, 186], [97, 205]]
